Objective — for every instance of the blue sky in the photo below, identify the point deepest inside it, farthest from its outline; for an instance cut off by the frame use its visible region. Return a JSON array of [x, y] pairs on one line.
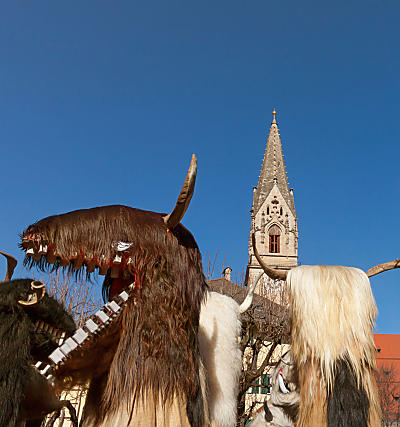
[[104, 103]]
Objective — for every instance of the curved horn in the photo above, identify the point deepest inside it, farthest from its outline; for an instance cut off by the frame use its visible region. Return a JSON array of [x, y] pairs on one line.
[[271, 272], [245, 305], [380, 268], [11, 264], [39, 290], [175, 217]]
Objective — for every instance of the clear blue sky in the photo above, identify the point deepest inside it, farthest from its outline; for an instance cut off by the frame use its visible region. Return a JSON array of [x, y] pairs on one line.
[[104, 102]]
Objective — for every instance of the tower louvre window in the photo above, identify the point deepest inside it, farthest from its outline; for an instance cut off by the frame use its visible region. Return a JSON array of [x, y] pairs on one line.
[[274, 239]]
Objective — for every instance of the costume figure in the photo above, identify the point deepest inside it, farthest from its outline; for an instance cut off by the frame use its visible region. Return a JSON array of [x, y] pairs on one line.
[[31, 326]]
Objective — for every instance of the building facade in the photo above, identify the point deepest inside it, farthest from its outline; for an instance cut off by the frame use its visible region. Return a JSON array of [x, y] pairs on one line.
[[273, 217]]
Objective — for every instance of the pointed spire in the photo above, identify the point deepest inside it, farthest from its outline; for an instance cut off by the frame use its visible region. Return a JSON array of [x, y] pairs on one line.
[[273, 171]]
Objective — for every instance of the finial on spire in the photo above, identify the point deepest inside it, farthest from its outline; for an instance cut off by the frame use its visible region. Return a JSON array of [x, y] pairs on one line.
[[274, 114]]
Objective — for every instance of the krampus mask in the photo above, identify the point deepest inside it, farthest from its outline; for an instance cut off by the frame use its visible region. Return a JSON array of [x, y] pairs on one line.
[[145, 364], [332, 311], [31, 325], [282, 407]]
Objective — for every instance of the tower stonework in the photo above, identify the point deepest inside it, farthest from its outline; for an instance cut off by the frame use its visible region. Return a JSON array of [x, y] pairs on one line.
[[273, 217]]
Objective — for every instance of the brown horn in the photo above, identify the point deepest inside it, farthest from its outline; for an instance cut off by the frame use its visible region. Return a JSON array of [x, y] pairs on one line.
[[174, 218], [380, 268], [11, 264], [39, 290], [271, 272]]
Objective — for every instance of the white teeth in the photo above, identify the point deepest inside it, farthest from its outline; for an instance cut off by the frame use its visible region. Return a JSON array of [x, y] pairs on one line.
[[42, 249], [37, 364], [117, 259], [30, 251], [43, 371], [61, 339]]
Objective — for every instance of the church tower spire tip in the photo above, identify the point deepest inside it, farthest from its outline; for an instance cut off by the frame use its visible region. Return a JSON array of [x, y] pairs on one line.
[[273, 213]]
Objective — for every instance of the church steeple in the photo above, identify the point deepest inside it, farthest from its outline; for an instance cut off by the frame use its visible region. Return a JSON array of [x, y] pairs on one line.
[[273, 171], [273, 215]]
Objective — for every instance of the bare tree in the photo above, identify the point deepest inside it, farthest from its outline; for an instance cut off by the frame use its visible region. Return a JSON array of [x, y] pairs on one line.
[[389, 394], [77, 293], [80, 298], [264, 327]]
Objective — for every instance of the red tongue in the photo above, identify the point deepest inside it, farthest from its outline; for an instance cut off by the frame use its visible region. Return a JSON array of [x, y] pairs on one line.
[[117, 286]]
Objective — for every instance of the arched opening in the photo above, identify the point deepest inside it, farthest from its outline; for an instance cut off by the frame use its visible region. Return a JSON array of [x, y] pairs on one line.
[[274, 239]]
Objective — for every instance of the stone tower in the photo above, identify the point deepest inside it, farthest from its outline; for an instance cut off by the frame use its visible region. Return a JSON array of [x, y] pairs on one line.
[[273, 216]]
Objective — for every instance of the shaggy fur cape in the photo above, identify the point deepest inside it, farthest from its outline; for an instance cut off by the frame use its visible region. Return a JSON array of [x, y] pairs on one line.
[[24, 393], [333, 312], [151, 353], [219, 330]]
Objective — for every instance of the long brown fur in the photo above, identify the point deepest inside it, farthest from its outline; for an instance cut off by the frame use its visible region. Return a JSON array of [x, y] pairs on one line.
[[155, 351], [333, 312]]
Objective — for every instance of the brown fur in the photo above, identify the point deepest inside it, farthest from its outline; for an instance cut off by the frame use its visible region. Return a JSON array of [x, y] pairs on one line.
[[155, 351]]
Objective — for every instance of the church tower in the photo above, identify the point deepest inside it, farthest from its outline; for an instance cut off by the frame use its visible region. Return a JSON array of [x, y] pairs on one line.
[[273, 216]]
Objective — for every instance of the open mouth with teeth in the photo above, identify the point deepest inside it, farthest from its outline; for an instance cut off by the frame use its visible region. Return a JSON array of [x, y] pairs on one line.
[[73, 241], [154, 286], [68, 348], [55, 335]]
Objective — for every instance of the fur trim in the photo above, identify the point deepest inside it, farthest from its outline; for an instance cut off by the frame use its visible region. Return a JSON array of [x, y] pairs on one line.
[[333, 313]]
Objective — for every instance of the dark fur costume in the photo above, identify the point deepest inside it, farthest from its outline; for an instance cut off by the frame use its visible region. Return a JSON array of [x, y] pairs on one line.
[[348, 403], [24, 393], [153, 348]]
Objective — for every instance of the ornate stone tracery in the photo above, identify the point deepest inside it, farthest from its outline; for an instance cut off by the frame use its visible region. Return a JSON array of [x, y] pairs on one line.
[[273, 206]]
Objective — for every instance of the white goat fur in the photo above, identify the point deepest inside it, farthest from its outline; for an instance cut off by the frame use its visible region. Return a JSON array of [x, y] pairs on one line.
[[219, 330], [333, 312]]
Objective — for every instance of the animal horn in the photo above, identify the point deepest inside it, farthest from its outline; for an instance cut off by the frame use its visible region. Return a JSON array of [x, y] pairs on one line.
[[11, 264], [380, 268], [245, 305], [39, 290], [271, 272], [174, 218]]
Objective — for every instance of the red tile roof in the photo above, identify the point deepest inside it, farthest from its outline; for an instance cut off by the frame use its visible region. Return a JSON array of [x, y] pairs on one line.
[[388, 350]]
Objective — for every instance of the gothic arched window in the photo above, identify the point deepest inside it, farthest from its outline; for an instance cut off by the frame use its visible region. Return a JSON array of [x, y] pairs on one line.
[[274, 239]]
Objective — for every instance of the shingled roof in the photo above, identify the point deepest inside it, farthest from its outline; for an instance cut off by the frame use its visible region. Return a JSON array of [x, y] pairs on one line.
[[264, 313]]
